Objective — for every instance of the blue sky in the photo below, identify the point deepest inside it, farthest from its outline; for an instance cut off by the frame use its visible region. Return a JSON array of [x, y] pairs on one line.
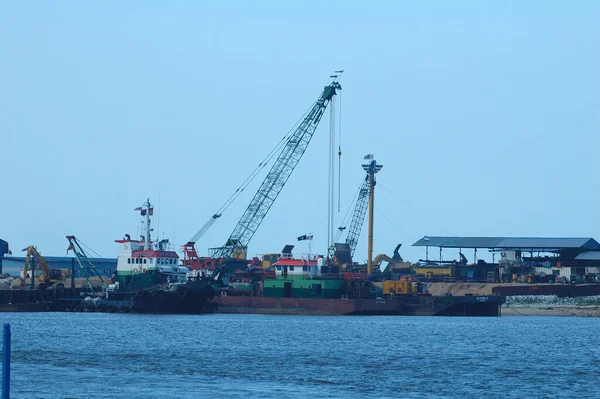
[[484, 115]]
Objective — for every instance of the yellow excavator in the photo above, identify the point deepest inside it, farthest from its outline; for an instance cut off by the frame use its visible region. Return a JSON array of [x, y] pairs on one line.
[[395, 264], [48, 276]]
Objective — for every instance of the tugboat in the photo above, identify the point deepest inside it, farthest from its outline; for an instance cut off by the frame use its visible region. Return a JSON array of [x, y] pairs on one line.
[[148, 278]]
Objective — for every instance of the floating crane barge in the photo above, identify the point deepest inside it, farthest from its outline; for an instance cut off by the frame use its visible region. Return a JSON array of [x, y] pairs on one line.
[[317, 285], [310, 287]]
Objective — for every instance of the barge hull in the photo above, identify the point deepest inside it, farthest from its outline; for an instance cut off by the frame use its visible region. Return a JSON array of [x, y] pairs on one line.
[[393, 306], [37, 300], [560, 290], [186, 300], [190, 300]]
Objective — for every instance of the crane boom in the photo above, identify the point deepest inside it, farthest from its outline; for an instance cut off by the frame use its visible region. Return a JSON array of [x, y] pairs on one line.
[[276, 179], [358, 217], [88, 270]]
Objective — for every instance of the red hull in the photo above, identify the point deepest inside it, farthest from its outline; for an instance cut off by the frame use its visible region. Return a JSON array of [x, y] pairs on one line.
[[397, 306], [298, 306]]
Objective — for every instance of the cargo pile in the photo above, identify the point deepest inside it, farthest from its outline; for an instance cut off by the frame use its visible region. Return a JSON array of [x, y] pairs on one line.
[[8, 282]]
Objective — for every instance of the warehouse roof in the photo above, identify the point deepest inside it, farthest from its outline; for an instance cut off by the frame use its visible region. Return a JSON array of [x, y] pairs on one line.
[[588, 255], [523, 243]]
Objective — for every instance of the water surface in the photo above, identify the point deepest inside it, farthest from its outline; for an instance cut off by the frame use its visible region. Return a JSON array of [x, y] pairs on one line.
[[96, 355]]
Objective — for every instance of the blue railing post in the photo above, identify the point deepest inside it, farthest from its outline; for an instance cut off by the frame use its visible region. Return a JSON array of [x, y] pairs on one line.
[[6, 362]]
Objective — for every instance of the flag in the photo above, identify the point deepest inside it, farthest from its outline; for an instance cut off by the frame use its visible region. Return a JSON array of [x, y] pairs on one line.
[[143, 212], [305, 237], [151, 211], [369, 156], [139, 208]]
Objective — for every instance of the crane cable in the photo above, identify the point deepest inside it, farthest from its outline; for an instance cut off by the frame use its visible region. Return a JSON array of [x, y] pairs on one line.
[[346, 217], [396, 226], [415, 209], [90, 250], [275, 150], [340, 158]]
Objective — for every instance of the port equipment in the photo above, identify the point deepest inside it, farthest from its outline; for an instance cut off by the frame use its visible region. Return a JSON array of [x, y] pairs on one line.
[[395, 263], [290, 155], [88, 270], [48, 276], [356, 223], [358, 216], [371, 168], [277, 177]]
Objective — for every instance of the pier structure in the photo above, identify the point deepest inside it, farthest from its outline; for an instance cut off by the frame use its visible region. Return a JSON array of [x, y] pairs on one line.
[[514, 259]]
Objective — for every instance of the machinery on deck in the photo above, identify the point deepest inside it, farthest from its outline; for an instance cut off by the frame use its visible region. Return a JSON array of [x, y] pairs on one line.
[[358, 217], [236, 245], [86, 267], [343, 252], [396, 266], [48, 277]]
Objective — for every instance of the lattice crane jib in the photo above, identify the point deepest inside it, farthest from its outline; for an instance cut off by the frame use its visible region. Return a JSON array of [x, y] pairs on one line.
[[358, 217], [276, 178]]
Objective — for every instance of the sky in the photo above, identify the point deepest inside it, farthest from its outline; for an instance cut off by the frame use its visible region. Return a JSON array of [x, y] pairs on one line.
[[484, 115]]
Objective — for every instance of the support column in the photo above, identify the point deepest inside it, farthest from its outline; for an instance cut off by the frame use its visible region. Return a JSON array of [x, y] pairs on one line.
[[372, 168]]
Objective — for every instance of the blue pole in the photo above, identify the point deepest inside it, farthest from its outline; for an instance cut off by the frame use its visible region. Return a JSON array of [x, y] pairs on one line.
[[6, 362]]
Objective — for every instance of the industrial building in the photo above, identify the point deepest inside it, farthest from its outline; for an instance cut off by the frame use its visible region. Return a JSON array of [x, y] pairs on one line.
[[13, 265], [524, 259]]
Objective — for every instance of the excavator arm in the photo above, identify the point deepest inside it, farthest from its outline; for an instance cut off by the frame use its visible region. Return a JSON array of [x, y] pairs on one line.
[[32, 252]]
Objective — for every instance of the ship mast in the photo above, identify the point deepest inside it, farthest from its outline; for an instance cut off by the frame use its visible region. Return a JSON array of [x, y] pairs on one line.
[[147, 211], [371, 168]]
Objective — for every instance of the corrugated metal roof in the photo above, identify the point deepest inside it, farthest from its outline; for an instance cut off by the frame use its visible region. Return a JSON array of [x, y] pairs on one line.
[[458, 242], [524, 243], [548, 243], [588, 255]]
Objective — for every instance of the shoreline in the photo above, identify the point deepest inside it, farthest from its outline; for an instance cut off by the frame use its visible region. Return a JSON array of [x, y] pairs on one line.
[[558, 311]]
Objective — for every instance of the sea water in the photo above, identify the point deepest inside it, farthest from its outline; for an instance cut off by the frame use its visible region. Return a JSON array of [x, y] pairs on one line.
[[97, 355]]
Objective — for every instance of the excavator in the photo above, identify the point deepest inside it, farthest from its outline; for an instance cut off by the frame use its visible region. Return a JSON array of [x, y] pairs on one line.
[[48, 277], [396, 265]]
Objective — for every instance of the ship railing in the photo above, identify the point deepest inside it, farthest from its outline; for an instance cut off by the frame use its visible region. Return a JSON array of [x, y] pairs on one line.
[[355, 276], [343, 276], [323, 276], [446, 279]]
